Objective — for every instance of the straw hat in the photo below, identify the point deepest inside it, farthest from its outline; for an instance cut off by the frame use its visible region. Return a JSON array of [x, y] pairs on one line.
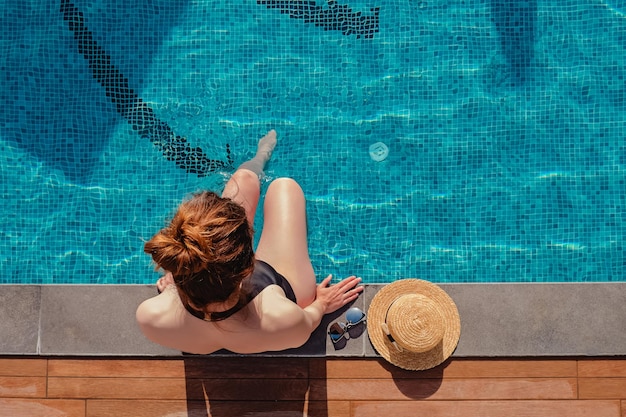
[[413, 324]]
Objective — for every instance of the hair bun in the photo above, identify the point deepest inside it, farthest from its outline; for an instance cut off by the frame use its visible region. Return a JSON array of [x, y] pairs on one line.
[[193, 250], [207, 246]]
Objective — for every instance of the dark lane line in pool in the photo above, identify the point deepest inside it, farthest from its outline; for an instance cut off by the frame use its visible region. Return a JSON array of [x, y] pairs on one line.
[[335, 17], [132, 108]]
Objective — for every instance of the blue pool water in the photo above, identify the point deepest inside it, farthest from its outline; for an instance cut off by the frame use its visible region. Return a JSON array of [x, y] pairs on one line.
[[504, 121]]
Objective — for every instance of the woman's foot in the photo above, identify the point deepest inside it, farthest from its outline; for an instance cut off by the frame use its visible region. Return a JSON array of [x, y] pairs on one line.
[[266, 146], [263, 154]]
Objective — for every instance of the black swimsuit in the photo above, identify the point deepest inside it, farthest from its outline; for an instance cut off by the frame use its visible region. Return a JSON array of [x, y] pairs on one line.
[[262, 277]]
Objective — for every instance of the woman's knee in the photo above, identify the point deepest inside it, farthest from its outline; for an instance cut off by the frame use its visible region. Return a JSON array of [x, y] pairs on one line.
[[244, 179], [285, 185], [246, 176]]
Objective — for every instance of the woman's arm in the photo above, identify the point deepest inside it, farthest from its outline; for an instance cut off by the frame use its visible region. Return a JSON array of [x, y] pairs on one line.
[[331, 298], [286, 325]]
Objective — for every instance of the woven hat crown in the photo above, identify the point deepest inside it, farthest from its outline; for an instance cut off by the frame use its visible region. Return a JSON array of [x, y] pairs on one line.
[[413, 324], [416, 322]]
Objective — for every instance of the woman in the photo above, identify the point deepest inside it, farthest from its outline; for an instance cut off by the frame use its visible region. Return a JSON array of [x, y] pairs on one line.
[[217, 293]]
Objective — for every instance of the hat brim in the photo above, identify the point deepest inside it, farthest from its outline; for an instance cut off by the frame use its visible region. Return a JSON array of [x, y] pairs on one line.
[[406, 359]]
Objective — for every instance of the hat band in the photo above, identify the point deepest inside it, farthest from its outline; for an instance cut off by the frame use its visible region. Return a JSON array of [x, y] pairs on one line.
[[385, 328]]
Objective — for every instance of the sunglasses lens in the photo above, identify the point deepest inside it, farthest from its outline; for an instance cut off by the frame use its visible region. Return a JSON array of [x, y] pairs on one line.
[[355, 316], [336, 332]]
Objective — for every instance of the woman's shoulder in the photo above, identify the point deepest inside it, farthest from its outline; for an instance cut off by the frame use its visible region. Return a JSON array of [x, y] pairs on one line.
[[163, 320], [276, 311], [155, 311]]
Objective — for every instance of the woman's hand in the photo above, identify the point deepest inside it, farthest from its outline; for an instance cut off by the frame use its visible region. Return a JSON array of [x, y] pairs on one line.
[[335, 296], [165, 281]]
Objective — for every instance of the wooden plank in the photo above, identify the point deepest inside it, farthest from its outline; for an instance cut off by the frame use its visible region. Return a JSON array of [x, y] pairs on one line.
[[23, 367], [328, 409], [602, 368], [602, 388], [623, 408], [41, 407], [255, 389], [257, 408], [499, 368], [448, 389], [246, 367], [145, 408], [22, 387], [178, 388], [557, 408], [192, 367], [117, 388], [162, 408], [367, 368], [143, 368], [318, 367]]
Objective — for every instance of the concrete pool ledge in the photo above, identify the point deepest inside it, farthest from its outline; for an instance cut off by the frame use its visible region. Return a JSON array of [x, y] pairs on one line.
[[498, 320]]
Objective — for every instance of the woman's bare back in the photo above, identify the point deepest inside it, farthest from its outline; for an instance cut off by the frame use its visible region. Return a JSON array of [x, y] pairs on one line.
[[270, 322]]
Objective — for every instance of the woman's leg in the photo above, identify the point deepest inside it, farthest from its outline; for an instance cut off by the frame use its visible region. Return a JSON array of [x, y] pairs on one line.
[[244, 186], [283, 243]]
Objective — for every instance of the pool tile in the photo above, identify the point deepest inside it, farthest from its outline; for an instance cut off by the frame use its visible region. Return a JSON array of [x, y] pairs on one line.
[[490, 176]]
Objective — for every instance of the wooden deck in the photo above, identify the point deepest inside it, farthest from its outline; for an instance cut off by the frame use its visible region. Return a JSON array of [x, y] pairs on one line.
[[249, 386]]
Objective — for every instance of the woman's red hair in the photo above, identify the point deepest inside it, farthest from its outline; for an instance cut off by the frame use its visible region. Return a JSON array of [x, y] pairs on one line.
[[207, 247]]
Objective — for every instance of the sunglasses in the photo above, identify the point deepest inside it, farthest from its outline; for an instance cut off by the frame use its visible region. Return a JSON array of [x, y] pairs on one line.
[[339, 330]]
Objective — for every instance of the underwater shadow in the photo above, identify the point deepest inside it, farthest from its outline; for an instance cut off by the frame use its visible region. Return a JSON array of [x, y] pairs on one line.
[[130, 106], [52, 108], [339, 17], [253, 385], [516, 23]]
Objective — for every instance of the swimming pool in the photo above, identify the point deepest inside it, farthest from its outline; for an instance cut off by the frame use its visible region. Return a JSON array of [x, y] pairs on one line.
[[504, 123]]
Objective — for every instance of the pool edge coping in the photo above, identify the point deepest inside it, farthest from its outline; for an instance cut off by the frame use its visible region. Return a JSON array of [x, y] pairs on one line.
[[497, 320]]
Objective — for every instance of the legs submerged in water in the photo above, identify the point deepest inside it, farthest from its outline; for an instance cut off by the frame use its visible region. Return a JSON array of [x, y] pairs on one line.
[[244, 186], [283, 243], [263, 153]]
